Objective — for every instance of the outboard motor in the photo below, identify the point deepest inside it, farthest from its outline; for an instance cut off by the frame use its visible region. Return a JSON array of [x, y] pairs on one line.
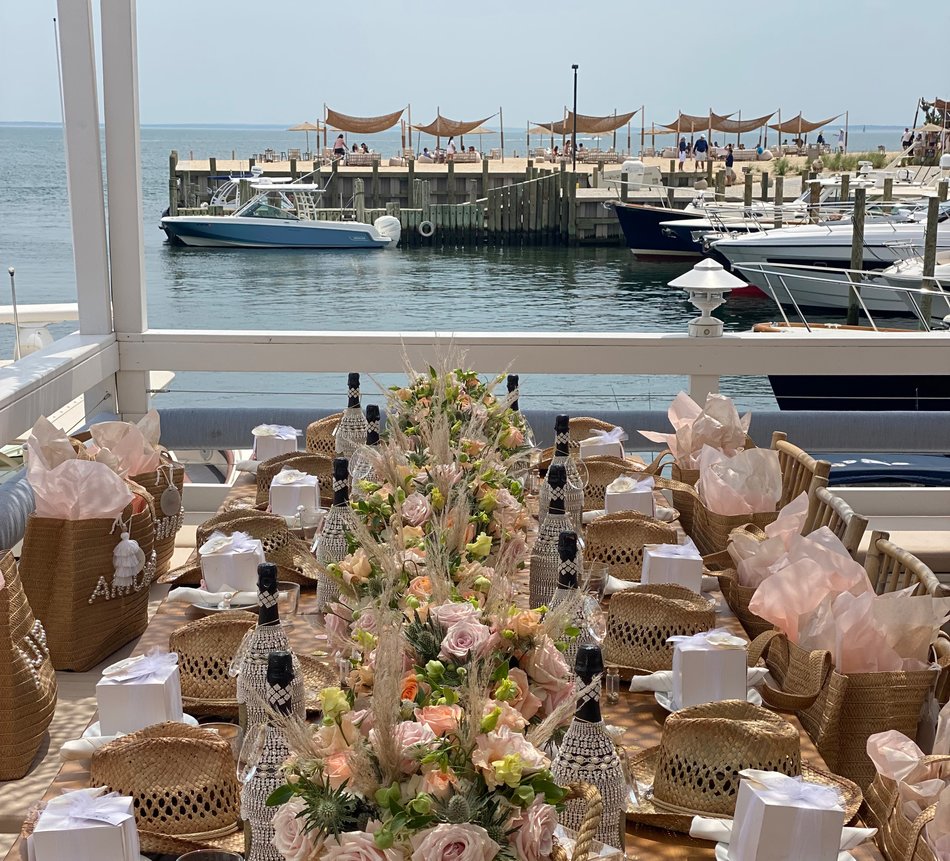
[[388, 225]]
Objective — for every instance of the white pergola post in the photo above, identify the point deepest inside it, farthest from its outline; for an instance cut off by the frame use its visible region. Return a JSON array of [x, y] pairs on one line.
[[84, 178], [120, 86]]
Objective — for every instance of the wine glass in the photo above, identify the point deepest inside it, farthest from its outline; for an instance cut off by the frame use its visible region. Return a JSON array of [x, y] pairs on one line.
[[250, 756]]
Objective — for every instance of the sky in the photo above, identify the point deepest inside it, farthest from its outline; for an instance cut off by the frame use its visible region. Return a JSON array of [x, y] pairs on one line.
[[244, 62]]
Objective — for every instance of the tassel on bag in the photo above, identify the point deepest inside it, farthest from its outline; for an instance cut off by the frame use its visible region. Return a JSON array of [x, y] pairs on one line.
[[128, 559]]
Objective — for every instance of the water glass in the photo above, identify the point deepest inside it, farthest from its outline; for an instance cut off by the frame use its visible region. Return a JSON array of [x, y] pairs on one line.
[[250, 756], [288, 598], [613, 685], [595, 579], [231, 733]]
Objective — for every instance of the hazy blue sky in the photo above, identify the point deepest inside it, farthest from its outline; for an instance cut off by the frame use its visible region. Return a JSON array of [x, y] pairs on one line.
[[236, 61]]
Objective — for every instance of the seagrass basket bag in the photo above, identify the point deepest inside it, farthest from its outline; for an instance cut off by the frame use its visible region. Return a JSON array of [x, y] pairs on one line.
[[67, 572], [27, 680], [166, 485], [840, 711], [898, 836]]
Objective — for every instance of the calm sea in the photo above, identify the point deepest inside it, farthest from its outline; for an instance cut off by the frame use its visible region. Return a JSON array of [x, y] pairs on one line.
[[597, 289]]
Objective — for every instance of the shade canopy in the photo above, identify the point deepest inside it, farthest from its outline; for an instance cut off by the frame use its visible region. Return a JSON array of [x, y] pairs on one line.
[[363, 125], [740, 126], [692, 123], [480, 130], [443, 127], [798, 125], [586, 124], [929, 127], [306, 127], [539, 130]]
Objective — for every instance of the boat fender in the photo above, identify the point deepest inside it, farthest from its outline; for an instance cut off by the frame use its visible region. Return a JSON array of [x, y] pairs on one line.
[[426, 229]]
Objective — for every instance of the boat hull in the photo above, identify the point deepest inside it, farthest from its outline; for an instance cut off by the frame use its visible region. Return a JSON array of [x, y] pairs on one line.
[[236, 232], [641, 226], [910, 393]]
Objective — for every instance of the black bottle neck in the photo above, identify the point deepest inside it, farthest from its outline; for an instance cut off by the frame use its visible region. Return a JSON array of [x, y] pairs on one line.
[[588, 704], [513, 391], [280, 679], [353, 399], [269, 614], [341, 492]]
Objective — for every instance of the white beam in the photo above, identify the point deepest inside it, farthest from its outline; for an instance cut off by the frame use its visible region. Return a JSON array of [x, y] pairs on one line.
[[42, 382], [84, 166], [741, 354], [123, 166]]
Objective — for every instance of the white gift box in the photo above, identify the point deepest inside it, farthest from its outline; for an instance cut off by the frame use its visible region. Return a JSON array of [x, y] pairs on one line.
[[231, 561], [272, 440], [627, 494], [603, 443], [139, 692], [86, 825], [708, 667], [780, 818], [680, 564], [290, 489]]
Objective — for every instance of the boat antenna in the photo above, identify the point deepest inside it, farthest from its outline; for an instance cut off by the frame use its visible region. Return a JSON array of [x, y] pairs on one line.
[[16, 316]]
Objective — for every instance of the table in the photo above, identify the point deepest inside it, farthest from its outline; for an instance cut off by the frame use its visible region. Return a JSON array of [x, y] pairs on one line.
[[637, 713]]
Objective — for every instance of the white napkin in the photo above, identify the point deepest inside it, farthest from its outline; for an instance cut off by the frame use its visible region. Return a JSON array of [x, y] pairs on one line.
[[83, 748], [720, 831], [625, 484], [615, 585], [209, 599], [279, 431], [662, 680]]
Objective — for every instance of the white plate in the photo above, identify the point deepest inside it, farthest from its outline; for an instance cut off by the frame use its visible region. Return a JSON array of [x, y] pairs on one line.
[[93, 730], [722, 853], [665, 699], [214, 608]]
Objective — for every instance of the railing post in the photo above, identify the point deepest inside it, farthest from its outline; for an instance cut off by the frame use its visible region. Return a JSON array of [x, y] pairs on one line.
[[701, 385]]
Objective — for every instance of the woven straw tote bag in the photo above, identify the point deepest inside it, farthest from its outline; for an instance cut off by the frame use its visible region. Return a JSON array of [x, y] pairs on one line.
[[27, 680], [320, 439], [167, 525], [66, 568], [897, 836]]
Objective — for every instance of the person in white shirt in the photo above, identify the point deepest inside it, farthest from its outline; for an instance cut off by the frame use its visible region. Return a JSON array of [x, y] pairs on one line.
[[450, 149], [840, 140]]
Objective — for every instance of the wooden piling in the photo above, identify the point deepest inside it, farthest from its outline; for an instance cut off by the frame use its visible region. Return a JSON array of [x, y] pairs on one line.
[[857, 254], [173, 183], [359, 199], [747, 191], [450, 182], [779, 199], [814, 200], [251, 162], [212, 166], [293, 169], [529, 170], [930, 252], [411, 180], [245, 192], [844, 192], [624, 189], [375, 188], [484, 176], [764, 195], [572, 211], [720, 184], [888, 188]]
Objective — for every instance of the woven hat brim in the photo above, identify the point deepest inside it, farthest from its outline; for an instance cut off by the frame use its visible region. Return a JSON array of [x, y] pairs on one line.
[[190, 575], [643, 768], [170, 844]]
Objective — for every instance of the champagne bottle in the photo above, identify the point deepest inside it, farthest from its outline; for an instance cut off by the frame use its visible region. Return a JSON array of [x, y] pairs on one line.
[[588, 754], [351, 431], [569, 573], [545, 560], [361, 467], [267, 637], [330, 545], [281, 681], [514, 394], [574, 486]]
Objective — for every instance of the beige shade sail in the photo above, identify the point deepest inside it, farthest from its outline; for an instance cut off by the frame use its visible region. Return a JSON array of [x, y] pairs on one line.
[[538, 130], [363, 125], [443, 127], [800, 126], [481, 130], [722, 124], [306, 127], [930, 127], [587, 125], [691, 123]]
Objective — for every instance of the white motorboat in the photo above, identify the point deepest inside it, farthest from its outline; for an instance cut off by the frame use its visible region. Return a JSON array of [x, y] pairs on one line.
[[910, 272]]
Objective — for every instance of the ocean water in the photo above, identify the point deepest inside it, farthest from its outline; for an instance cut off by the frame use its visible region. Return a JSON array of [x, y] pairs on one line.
[[579, 289]]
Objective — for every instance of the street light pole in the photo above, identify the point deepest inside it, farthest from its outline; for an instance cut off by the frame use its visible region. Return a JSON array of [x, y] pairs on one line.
[[574, 129]]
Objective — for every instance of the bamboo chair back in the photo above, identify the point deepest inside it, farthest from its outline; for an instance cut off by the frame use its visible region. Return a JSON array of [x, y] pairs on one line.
[[891, 568], [832, 511], [801, 473]]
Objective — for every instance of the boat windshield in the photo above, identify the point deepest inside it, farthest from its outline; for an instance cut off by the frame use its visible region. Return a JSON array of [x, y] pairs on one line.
[[262, 209]]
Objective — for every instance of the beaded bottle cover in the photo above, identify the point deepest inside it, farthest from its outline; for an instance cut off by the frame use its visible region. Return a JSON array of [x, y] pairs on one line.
[[331, 547], [350, 433], [542, 580], [252, 687], [587, 754], [267, 777], [360, 467], [576, 567], [573, 490]]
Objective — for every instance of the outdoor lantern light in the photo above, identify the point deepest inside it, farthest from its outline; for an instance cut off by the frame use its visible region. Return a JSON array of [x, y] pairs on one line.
[[707, 283]]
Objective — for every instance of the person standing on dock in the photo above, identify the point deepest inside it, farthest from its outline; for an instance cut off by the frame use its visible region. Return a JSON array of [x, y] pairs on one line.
[[701, 151], [450, 150], [339, 146], [840, 140], [907, 139], [682, 152], [730, 161]]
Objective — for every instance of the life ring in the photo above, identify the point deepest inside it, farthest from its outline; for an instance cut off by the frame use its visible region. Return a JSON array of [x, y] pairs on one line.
[[426, 229]]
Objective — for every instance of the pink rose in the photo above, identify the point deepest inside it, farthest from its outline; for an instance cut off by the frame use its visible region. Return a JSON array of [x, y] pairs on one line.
[[366, 621], [525, 701], [290, 838], [554, 699], [546, 665], [440, 719], [534, 839], [463, 638], [509, 717], [336, 768], [357, 846], [502, 742], [416, 509], [448, 614], [420, 588], [512, 437], [412, 738], [448, 473], [447, 842]]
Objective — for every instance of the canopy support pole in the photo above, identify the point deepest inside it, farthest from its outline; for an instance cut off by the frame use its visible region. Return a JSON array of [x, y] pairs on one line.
[[739, 134], [409, 108], [501, 128], [643, 127], [846, 130]]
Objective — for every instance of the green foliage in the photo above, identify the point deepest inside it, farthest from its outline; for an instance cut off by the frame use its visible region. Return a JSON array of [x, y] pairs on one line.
[[848, 162], [328, 810], [425, 637], [781, 166]]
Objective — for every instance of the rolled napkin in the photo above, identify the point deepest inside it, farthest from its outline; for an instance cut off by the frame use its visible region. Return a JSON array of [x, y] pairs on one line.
[[230, 559], [625, 493], [708, 667], [272, 440], [720, 831], [609, 443], [662, 680], [679, 564], [290, 489], [191, 595], [85, 823], [82, 749], [138, 692]]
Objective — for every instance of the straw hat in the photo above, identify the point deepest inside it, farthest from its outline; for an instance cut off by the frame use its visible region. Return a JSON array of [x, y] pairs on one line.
[[312, 464], [291, 554], [205, 650], [642, 619], [618, 540], [694, 771], [183, 783]]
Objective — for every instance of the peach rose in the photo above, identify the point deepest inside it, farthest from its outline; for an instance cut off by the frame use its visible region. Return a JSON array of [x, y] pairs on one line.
[[439, 784], [509, 717], [420, 587], [410, 687], [546, 665], [525, 624], [440, 719], [504, 742], [336, 768], [525, 701], [512, 437]]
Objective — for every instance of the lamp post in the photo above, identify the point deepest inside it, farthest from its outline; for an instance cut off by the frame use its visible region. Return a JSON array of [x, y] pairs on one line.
[[707, 283], [574, 122]]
